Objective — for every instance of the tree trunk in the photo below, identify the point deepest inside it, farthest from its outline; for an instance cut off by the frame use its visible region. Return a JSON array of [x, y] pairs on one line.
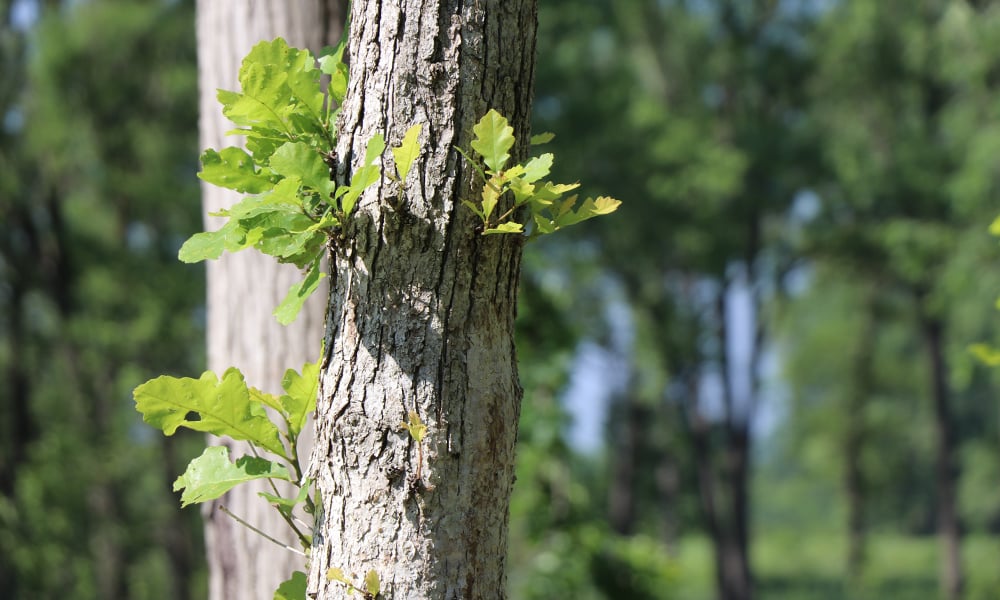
[[733, 506], [421, 316], [627, 418], [737, 480], [855, 438], [952, 577], [244, 288]]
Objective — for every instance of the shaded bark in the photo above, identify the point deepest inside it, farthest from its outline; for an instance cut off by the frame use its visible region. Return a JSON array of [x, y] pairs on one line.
[[421, 314], [946, 474], [244, 288]]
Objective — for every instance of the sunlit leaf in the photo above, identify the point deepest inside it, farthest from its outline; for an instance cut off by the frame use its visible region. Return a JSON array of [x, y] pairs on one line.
[[304, 162], [208, 245], [209, 405], [407, 152], [336, 574], [537, 167], [509, 227], [297, 295], [372, 583], [494, 139], [542, 138], [299, 399], [234, 169], [212, 474]]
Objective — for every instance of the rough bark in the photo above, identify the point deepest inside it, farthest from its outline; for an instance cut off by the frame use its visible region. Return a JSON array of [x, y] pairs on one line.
[[244, 288], [949, 531], [421, 313]]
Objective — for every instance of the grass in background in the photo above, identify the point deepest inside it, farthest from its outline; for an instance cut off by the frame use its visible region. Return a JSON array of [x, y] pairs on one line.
[[791, 566]]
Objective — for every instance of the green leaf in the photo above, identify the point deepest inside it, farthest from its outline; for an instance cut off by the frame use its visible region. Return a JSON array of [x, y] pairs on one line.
[[333, 65], [494, 139], [304, 162], [266, 98], [303, 80], [335, 574], [472, 206], [542, 138], [300, 397], [269, 400], [415, 427], [209, 244], [407, 151], [490, 197], [508, 227], [372, 583], [299, 293], [374, 149], [212, 474], [286, 505], [234, 169], [208, 405], [537, 167], [551, 191], [523, 191], [591, 208], [293, 588], [364, 176]]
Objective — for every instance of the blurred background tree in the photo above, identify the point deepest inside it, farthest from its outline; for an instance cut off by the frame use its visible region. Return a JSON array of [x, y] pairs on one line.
[[753, 382], [98, 150]]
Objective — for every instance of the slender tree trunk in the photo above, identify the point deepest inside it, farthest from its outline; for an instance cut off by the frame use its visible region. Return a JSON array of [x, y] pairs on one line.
[[737, 469], [855, 488], [244, 288], [949, 532], [421, 316], [626, 435], [733, 506]]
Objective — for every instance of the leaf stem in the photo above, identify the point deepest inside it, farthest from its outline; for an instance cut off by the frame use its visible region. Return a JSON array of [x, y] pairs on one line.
[[258, 531]]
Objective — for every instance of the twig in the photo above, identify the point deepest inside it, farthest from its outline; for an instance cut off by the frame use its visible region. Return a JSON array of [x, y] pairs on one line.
[[258, 531]]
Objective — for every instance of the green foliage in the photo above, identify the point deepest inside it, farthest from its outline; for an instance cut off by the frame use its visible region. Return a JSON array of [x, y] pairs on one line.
[[294, 210], [415, 427], [548, 211], [297, 207], [230, 408]]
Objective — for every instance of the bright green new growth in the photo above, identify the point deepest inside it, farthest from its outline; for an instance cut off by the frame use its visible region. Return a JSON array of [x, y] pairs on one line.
[[294, 210], [548, 211], [370, 590], [415, 427], [297, 207], [230, 408]]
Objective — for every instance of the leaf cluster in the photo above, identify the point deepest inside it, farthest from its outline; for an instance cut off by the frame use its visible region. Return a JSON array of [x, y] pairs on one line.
[[294, 206], [547, 210], [228, 407]]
